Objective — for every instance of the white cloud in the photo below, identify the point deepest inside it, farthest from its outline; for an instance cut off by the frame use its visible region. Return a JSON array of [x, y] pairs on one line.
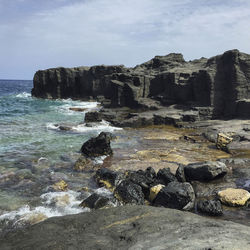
[[129, 32]]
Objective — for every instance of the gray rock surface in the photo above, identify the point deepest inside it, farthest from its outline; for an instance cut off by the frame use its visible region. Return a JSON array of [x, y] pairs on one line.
[[205, 171], [217, 87], [130, 227]]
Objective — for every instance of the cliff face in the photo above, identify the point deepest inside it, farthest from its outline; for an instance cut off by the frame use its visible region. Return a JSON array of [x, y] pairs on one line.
[[221, 83]]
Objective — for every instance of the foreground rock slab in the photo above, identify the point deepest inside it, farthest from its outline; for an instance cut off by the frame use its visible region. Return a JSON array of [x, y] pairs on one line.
[[130, 227]]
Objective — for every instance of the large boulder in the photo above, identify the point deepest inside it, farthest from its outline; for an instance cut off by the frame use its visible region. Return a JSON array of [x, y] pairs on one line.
[[130, 227], [176, 195], [97, 146], [205, 171]]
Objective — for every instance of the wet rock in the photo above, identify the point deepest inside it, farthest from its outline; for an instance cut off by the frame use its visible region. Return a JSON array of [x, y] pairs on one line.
[[128, 192], [93, 117], [110, 179], [65, 128], [97, 146], [145, 179], [83, 163], [154, 191], [234, 197], [164, 176], [205, 171], [222, 141], [210, 207], [180, 173], [77, 109], [60, 186], [95, 201], [176, 195], [130, 227]]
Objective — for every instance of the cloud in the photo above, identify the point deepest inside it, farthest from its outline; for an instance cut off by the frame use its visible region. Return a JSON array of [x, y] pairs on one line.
[[71, 33]]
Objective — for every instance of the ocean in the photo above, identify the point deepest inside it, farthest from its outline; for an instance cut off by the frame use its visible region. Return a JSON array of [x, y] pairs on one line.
[[35, 153]]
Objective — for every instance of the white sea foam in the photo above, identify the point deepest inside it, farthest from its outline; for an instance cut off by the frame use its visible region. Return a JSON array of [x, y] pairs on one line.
[[52, 126], [53, 204], [102, 126], [68, 103], [23, 95], [100, 159]]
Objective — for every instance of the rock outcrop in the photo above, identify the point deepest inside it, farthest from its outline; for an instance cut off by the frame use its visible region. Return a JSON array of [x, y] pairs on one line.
[[218, 87], [130, 227]]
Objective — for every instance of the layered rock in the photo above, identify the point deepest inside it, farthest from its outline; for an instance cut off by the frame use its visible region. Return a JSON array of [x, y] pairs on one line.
[[220, 84]]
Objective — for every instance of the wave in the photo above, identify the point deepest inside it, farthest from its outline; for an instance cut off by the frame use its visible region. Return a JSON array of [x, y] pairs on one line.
[[68, 103], [23, 95], [54, 204], [83, 128]]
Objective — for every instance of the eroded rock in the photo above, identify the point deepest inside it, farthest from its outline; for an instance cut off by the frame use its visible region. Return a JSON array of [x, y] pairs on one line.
[[234, 197], [205, 171]]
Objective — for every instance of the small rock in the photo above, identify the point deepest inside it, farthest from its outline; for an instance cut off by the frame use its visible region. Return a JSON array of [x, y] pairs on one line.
[[180, 174], [65, 128], [95, 201], [77, 109], [97, 146], [108, 178], [154, 191], [205, 171], [234, 197], [211, 207], [165, 176], [145, 179], [222, 141], [60, 186], [129, 193], [176, 195]]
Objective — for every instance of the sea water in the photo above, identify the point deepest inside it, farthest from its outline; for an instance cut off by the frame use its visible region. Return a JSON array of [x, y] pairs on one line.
[[35, 153]]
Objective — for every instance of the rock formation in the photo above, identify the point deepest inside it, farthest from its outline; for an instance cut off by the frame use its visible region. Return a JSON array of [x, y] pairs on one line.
[[221, 84]]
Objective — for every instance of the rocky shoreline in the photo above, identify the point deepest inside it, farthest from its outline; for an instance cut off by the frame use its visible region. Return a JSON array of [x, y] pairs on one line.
[[203, 168]]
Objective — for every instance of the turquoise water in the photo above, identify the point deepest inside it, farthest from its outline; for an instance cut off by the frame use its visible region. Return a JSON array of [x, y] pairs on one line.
[[35, 153]]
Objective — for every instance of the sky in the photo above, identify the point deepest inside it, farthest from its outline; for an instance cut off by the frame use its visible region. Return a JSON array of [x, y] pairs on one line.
[[40, 34]]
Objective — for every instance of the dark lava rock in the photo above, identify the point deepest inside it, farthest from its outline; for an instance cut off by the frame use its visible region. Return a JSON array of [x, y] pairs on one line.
[[95, 201], [130, 227], [103, 175], [145, 179], [211, 207], [205, 171], [180, 174], [97, 146], [176, 195], [129, 193], [94, 116], [65, 128], [164, 176]]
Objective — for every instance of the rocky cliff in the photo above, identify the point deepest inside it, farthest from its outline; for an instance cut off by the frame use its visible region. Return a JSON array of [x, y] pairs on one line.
[[221, 83]]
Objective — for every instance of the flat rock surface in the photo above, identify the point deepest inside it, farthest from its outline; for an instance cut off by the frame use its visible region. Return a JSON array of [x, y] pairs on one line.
[[130, 227]]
